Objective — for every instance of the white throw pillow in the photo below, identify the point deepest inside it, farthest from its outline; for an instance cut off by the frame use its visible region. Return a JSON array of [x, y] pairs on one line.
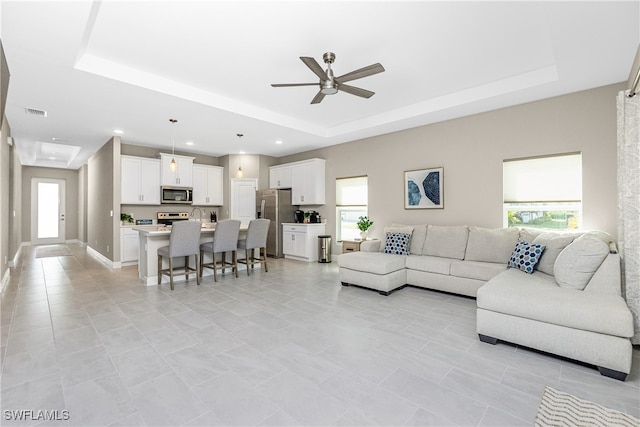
[[578, 262], [554, 244], [491, 245], [446, 241], [404, 229]]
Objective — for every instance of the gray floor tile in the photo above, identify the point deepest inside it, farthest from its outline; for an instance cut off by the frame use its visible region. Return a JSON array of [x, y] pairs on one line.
[[195, 365], [85, 365], [253, 366], [166, 401], [235, 401], [140, 365]]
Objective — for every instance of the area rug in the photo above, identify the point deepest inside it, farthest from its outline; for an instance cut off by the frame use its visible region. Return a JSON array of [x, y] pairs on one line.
[[562, 409], [52, 251]]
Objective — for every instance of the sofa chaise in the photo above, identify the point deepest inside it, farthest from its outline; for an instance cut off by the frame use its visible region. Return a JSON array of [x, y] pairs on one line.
[[565, 299]]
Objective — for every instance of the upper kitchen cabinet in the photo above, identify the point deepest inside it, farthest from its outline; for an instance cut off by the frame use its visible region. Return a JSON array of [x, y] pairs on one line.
[[307, 179], [207, 185], [139, 181], [182, 176], [280, 176]]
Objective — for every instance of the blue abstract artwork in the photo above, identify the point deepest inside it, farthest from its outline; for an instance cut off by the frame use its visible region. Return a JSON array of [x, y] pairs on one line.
[[423, 189]]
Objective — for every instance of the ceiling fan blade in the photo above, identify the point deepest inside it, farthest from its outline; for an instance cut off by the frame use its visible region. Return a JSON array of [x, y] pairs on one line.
[[356, 91], [319, 97], [292, 84], [315, 67], [360, 73]]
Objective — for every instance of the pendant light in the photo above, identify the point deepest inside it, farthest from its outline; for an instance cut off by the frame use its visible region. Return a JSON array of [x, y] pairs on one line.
[[173, 166], [240, 173]]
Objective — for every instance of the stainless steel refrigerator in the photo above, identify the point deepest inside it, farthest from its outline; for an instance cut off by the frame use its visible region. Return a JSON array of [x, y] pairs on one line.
[[275, 204]]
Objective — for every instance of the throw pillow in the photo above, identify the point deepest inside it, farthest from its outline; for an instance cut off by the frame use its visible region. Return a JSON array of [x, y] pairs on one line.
[[397, 243], [578, 262], [555, 243], [525, 256], [407, 229]]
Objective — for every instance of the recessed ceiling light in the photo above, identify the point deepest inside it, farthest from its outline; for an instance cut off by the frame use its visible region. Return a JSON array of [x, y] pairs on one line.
[[189, 142], [279, 141], [52, 158], [242, 152], [118, 131]]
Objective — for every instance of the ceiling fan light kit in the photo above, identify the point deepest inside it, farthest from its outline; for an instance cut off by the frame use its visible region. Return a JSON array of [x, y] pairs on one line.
[[330, 85]]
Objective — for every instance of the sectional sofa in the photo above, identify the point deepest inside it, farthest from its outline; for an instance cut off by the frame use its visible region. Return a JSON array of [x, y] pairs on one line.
[[562, 293]]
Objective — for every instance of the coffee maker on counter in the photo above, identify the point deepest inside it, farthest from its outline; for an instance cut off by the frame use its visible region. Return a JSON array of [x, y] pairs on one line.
[[298, 216]]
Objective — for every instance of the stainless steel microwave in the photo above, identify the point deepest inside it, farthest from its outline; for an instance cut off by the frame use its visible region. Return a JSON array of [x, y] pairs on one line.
[[176, 195]]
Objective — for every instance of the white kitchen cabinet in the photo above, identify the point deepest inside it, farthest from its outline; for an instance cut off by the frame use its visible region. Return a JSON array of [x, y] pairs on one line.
[[300, 241], [182, 176], [139, 181], [129, 246], [280, 176], [308, 182], [207, 185]]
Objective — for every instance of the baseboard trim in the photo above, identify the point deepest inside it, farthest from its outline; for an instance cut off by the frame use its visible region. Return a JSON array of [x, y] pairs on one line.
[[103, 259], [16, 258]]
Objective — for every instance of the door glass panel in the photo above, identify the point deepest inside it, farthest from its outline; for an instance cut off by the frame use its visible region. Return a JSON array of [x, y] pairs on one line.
[[48, 210]]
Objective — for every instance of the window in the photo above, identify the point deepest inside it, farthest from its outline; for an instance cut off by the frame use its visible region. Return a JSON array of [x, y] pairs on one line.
[[543, 192], [351, 203]]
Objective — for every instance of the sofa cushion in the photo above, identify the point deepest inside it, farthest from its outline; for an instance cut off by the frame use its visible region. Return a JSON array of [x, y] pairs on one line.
[[537, 296], [372, 262], [478, 270], [554, 244], [491, 245], [407, 229], [525, 256], [397, 243], [578, 262], [430, 264], [529, 234], [446, 241]]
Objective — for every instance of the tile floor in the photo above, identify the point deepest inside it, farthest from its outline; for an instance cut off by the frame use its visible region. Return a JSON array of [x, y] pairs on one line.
[[287, 347]]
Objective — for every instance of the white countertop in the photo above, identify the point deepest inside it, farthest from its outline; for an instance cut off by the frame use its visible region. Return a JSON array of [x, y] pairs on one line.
[[162, 230], [302, 223]]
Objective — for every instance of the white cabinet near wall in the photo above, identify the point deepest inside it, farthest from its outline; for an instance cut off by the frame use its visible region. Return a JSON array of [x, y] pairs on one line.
[[280, 176], [182, 176], [139, 181], [129, 246], [308, 182], [300, 241], [207, 185]]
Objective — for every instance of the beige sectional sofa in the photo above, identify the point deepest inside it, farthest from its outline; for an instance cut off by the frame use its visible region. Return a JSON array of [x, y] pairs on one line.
[[571, 305]]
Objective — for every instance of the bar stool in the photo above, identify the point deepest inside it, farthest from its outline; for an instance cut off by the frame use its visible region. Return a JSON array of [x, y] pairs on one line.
[[184, 241], [256, 239], [225, 239]]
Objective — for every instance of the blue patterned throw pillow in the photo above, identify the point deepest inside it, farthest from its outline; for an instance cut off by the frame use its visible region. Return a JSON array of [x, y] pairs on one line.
[[525, 256], [397, 243]]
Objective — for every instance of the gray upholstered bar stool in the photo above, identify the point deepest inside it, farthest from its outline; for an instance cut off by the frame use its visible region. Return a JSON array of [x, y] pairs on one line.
[[225, 239], [256, 239], [184, 241]]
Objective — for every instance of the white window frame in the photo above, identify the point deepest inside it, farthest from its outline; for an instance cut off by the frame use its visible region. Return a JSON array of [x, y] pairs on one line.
[[557, 198], [360, 206]]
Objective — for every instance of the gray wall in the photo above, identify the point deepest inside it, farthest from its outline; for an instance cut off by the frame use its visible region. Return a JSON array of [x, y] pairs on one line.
[[15, 202], [82, 198], [471, 150], [5, 179], [71, 195], [103, 201]]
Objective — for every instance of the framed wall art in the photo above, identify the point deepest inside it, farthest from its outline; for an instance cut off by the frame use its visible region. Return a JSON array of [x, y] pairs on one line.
[[423, 189]]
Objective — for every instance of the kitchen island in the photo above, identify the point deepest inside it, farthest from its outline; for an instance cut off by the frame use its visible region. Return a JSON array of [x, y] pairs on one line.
[[153, 237]]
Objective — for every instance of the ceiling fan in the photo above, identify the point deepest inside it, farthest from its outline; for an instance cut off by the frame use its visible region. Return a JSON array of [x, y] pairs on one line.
[[330, 85]]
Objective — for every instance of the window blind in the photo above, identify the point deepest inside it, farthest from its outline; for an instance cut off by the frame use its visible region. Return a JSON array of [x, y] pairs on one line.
[[352, 191], [543, 179]]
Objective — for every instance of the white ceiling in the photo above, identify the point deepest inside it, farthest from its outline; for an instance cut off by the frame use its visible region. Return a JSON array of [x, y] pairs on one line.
[[96, 66]]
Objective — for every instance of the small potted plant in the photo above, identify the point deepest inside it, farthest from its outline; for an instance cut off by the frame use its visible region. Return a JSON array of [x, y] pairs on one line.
[[363, 225], [125, 217]]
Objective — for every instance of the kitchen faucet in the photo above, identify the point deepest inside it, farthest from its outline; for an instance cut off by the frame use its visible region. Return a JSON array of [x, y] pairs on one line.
[[199, 213]]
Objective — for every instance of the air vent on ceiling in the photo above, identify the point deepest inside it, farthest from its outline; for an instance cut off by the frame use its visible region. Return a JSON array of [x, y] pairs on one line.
[[35, 112]]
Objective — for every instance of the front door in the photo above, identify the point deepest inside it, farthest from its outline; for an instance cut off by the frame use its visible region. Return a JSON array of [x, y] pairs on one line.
[[47, 211]]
